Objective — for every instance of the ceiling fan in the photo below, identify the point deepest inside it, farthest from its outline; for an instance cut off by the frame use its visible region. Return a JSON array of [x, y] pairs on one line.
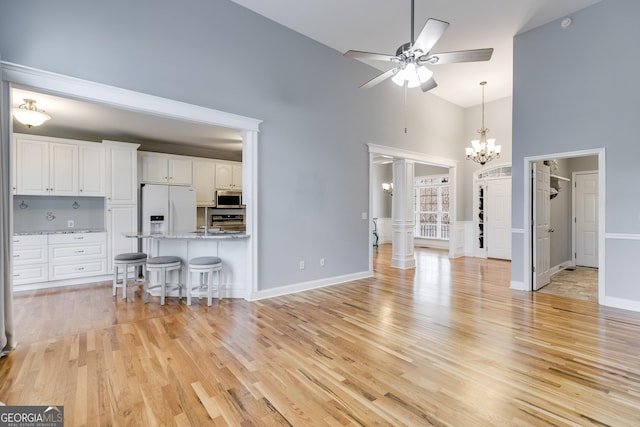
[[412, 57]]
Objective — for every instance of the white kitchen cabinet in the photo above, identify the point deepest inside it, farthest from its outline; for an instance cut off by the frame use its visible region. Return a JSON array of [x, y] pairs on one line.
[[63, 169], [229, 176], [166, 169], [30, 259], [121, 172], [46, 168], [120, 219], [32, 167], [204, 181], [122, 198], [92, 170], [77, 255]]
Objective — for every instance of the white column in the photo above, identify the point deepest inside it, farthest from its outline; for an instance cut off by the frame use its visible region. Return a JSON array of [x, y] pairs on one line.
[[402, 215]]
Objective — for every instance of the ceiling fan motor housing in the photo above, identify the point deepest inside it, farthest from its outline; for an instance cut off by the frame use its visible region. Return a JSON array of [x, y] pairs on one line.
[[403, 49]]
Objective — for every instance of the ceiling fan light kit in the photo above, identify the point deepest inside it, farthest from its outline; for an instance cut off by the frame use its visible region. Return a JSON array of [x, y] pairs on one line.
[[411, 57], [28, 114], [483, 150]]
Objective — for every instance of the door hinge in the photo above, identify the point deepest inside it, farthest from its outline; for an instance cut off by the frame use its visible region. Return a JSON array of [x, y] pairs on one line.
[[533, 269]]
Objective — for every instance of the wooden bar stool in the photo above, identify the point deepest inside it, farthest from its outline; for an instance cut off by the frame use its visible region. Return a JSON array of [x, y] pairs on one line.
[[162, 265], [204, 266], [126, 261]]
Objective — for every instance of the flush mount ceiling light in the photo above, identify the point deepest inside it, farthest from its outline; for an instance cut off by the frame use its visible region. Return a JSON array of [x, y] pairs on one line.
[[483, 150], [28, 114]]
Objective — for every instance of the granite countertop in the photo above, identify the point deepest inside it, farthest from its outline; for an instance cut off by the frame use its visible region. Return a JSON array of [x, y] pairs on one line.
[[33, 233], [211, 235]]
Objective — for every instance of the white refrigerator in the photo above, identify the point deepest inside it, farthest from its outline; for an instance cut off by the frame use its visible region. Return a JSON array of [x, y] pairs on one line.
[[168, 209]]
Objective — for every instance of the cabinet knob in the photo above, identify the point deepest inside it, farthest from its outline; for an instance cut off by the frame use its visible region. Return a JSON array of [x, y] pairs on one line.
[[81, 189], [108, 198]]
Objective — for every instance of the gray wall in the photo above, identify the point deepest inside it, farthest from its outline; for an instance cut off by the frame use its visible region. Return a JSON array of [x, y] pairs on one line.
[[565, 99], [313, 161]]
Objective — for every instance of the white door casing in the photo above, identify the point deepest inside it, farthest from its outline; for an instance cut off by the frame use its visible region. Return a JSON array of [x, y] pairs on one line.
[[541, 214], [586, 219]]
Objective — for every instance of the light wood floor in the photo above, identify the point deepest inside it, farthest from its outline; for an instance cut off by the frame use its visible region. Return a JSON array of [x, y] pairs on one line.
[[446, 344]]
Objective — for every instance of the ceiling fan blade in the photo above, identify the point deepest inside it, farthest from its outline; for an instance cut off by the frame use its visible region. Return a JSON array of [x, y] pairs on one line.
[[431, 32], [428, 85], [458, 56], [379, 79], [357, 54]]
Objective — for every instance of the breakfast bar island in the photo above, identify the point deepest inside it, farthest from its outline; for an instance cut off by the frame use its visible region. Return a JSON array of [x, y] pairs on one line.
[[231, 247]]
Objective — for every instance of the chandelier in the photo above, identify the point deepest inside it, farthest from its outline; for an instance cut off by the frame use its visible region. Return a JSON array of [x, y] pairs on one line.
[[483, 150], [28, 114]]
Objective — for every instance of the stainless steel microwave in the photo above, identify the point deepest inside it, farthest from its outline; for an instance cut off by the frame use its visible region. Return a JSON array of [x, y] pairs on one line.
[[228, 199]]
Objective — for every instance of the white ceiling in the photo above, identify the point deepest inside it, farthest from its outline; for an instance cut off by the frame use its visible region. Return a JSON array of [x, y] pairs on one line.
[[382, 25]]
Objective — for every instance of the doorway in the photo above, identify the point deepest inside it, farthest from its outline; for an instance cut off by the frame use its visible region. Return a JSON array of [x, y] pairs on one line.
[[565, 210], [382, 154]]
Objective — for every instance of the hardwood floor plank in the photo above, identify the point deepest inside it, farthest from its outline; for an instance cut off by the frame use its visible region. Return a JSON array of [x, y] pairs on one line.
[[445, 344]]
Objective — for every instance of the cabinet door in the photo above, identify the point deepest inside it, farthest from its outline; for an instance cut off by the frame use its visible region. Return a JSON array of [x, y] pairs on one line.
[[155, 169], [120, 219], [224, 176], [180, 172], [32, 167], [63, 169], [204, 177], [91, 170], [122, 175], [236, 175]]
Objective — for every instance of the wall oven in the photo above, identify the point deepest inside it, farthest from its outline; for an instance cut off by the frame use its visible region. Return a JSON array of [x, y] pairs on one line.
[[227, 199]]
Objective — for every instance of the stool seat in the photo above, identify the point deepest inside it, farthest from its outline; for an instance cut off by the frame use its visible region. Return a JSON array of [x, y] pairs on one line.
[[204, 266], [162, 265], [126, 261], [130, 256], [205, 260], [159, 260]]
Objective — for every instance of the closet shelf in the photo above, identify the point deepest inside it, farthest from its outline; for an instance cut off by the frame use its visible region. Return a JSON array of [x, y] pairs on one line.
[[560, 177]]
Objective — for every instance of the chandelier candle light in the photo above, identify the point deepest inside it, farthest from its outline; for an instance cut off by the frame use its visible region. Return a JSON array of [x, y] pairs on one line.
[[28, 114], [483, 150]]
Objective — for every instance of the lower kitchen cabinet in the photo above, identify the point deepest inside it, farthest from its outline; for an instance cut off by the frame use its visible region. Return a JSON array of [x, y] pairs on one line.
[[41, 258], [77, 255], [30, 263]]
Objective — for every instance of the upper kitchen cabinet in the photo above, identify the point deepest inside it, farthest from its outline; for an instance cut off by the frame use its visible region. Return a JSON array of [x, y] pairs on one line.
[[204, 180], [166, 169], [122, 172], [92, 170], [229, 176], [46, 168]]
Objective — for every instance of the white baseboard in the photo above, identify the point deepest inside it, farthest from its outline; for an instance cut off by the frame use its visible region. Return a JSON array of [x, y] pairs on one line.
[[558, 268], [624, 304], [305, 286], [518, 286], [60, 283]]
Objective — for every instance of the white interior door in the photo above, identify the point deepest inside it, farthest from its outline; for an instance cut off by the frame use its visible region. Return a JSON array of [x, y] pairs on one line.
[[498, 218], [541, 222], [586, 219]]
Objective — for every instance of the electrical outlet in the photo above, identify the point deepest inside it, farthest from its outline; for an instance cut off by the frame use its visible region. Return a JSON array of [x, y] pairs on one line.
[[321, 262], [301, 265], [70, 223]]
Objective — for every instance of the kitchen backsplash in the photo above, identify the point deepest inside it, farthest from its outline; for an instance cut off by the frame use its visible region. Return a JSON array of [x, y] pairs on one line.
[[51, 213]]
